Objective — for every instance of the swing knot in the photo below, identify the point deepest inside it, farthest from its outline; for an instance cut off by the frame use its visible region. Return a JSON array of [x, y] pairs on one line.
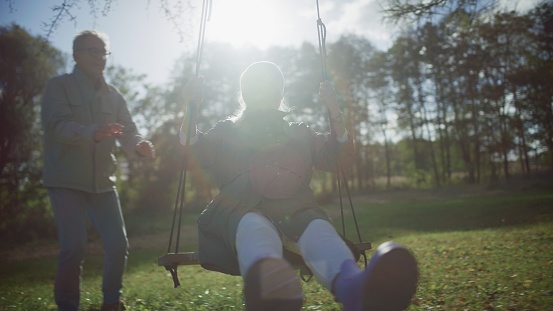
[[172, 268]]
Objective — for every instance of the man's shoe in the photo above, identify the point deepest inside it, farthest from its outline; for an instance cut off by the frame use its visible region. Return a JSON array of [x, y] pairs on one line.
[[388, 283], [272, 285], [116, 306]]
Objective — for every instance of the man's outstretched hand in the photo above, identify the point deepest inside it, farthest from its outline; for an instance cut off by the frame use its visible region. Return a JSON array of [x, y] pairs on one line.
[[108, 130]]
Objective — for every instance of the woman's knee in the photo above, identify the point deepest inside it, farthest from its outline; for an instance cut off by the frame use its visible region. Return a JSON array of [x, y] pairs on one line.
[[256, 238], [254, 225]]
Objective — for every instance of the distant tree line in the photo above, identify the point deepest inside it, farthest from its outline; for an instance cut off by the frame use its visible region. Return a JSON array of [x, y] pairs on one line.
[[467, 98]]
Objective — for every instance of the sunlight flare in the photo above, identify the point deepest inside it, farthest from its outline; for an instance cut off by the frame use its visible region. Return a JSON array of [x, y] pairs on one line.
[[248, 22]]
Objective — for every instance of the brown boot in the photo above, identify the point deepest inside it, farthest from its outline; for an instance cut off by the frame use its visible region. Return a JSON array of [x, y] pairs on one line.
[[388, 283], [272, 285]]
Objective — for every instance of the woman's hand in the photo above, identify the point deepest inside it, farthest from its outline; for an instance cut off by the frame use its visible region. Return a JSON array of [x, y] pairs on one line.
[[192, 94], [328, 98]]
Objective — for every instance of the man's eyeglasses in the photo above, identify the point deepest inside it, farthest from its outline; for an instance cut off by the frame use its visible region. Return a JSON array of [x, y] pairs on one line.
[[95, 52]]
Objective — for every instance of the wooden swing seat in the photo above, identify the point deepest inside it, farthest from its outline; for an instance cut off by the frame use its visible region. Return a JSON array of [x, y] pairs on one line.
[[193, 258]]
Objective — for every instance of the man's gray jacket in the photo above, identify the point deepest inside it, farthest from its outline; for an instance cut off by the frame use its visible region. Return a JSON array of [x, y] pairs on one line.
[[72, 110]]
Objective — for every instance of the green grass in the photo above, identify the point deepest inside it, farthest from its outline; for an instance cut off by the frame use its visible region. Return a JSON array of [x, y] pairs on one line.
[[484, 252]]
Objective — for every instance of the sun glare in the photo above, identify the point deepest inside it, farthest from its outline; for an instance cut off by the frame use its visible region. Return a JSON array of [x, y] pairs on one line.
[[247, 22]]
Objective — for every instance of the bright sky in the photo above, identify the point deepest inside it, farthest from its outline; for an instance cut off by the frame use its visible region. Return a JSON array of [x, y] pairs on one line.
[[142, 38]]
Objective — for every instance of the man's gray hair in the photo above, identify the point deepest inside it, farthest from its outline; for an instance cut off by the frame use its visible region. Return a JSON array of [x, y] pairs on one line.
[[92, 33]]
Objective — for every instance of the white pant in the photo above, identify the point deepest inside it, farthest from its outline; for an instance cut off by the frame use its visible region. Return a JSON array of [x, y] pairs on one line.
[[322, 249]]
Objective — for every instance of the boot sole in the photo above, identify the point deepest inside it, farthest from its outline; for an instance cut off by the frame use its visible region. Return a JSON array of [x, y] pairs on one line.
[[393, 282]]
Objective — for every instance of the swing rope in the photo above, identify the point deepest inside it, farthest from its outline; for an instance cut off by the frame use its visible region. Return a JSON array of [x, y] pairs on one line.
[[172, 260], [321, 32], [180, 200]]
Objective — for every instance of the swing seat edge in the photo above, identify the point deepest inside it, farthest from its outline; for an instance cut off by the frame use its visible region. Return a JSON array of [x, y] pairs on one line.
[[193, 258], [363, 246], [181, 259]]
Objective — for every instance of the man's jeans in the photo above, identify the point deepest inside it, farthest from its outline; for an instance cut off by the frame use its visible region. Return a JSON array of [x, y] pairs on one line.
[[71, 208]]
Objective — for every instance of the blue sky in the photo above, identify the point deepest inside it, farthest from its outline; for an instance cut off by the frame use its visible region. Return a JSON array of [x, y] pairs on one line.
[[142, 38]]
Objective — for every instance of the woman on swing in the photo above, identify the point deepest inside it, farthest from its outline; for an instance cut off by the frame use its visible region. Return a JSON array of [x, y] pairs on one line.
[[262, 166]]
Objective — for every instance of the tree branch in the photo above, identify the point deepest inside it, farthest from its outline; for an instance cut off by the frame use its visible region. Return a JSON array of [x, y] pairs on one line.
[[60, 12]]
